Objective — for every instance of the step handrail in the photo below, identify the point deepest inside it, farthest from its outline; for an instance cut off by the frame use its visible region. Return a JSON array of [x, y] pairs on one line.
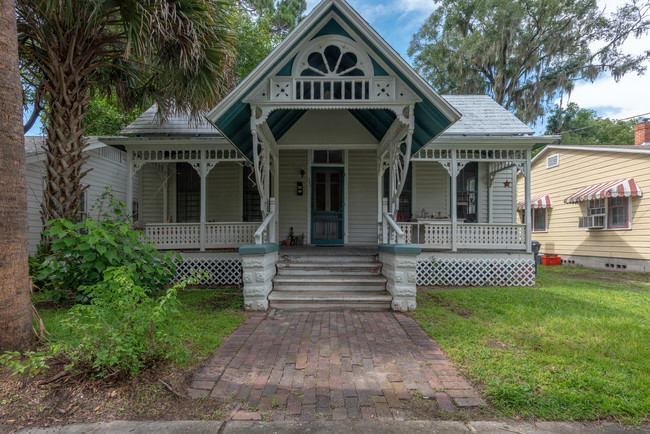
[[268, 223]]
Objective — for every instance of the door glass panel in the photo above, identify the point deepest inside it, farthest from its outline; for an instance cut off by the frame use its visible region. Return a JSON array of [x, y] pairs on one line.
[[320, 157], [336, 157], [335, 191], [327, 211]]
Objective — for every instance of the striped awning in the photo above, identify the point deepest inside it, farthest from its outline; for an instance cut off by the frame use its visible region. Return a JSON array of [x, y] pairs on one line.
[[537, 202], [624, 188]]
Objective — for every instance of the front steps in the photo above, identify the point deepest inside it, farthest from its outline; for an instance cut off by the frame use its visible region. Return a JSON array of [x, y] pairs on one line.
[[329, 282]]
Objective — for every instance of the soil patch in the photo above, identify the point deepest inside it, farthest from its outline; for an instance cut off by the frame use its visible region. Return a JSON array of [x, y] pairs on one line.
[[155, 394], [454, 307]]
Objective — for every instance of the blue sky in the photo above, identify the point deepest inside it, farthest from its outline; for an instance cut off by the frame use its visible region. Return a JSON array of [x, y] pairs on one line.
[[397, 21]]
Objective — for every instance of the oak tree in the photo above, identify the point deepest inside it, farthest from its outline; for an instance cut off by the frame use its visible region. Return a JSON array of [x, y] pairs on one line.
[[523, 53]]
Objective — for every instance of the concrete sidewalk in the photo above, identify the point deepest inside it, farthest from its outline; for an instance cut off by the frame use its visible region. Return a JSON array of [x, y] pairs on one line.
[[356, 427]]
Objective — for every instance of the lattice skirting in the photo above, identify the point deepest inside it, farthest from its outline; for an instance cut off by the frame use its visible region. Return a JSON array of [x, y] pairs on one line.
[[222, 271], [476, 272]]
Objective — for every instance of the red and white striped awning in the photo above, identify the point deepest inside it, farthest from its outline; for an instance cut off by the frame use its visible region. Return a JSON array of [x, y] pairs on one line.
[[627, 188], [537, 202]]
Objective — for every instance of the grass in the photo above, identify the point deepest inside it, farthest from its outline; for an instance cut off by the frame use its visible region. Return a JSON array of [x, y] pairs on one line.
[[575, 346], [206, 317]]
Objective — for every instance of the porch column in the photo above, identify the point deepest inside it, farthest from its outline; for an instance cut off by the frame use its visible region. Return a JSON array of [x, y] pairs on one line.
[[528, 211], [454, 200], [165, 191], [203, 173], [129, 181]]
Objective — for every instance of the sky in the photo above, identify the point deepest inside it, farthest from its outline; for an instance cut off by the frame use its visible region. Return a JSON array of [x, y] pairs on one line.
[[397, 20]]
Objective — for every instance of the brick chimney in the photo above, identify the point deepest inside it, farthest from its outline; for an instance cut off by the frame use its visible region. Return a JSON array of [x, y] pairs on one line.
[[642, 132]]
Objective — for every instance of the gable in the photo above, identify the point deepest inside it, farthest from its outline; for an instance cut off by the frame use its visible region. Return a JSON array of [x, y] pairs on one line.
[[334, 19]]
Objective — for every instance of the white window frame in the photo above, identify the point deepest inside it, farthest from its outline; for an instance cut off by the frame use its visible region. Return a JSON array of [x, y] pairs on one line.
[[83, 210], [549, 165], [532, 220], [605, 206]]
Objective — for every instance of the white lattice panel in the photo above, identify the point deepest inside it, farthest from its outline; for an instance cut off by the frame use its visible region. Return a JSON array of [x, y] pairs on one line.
[[476, 272], [222, 271]]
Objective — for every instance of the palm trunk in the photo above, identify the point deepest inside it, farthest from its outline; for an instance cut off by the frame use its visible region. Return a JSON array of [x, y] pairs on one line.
[[16, 332], [65, 142]]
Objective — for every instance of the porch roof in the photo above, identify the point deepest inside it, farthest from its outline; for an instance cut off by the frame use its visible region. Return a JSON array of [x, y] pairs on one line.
[[333, 17]]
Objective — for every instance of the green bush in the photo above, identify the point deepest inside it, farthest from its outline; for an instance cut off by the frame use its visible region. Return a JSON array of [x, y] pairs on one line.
[[123, 328], [82, 251]]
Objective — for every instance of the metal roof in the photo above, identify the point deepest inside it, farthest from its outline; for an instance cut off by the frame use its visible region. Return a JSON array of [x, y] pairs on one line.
[[34, 145], [481, 116], [177, 124]]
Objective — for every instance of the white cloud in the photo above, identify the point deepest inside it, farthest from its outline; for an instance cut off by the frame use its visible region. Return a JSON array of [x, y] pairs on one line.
[[629, 97], [424, 6]]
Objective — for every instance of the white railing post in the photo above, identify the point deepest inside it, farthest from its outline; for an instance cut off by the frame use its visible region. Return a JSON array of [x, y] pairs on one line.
[[203, 172], [454, 200], [129, 182], [527, 205], [384, 223], [272, 239]]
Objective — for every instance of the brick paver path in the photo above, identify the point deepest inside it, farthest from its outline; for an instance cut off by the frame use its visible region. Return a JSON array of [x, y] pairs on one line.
[[331, 365]]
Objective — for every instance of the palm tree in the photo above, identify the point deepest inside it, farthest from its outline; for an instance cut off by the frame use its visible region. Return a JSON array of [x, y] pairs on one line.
[[15, 305], [177, 53]]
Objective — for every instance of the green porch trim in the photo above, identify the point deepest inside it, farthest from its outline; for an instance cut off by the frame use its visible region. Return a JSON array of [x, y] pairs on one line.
[[258, 249], [400, 249]]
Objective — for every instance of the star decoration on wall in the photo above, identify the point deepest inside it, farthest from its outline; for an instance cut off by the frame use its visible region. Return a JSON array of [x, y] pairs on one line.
[[506, 184]]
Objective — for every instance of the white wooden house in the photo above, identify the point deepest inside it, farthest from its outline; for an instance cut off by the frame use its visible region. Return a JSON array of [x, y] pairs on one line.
[[107, 167], [336, 139]]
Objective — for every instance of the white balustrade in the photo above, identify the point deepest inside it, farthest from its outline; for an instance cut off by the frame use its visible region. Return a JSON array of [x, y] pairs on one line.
[[188, 235], [285, 89], [482, 236]]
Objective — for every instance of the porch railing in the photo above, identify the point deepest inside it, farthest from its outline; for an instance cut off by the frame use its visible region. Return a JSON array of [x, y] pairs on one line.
[[479, 236], [188, 235]]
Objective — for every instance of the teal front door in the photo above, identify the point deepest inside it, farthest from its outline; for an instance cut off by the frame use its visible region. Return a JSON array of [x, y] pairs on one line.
[[327, 206]]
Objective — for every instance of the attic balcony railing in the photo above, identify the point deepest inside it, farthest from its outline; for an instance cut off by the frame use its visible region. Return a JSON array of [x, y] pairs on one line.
[[346, 89]]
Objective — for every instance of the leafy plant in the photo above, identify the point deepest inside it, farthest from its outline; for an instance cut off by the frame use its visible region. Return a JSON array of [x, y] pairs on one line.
[[82, 251], [29, 363], [123, 328]]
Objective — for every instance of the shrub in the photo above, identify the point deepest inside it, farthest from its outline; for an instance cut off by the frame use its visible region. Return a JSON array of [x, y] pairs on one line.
[[123, 328], [82, 251]]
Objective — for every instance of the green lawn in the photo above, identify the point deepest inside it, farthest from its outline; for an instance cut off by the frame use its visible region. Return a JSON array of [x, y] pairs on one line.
[[206, 318], [575, 346]]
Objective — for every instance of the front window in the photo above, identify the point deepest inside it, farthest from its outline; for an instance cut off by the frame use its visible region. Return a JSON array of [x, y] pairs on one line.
[[467, 193], [596, 207], [539, 220], [617, 212], [188, 194]]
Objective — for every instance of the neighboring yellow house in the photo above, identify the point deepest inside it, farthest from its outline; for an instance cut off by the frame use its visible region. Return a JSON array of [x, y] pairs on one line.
[[588, 205]]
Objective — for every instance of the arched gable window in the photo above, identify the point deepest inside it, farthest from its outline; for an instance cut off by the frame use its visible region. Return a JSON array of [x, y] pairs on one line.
[[332, 56]]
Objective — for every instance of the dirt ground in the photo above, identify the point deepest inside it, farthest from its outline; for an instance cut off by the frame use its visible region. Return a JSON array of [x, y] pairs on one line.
[[155, 394]]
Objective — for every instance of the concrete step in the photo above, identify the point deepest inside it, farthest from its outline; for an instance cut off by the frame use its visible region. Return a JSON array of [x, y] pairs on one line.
[[328, 259], [321, 268], [330, 300], [313, 306], [329, 283]]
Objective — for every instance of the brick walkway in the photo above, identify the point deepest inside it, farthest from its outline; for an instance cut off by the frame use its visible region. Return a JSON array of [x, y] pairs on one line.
[[332, 366]]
